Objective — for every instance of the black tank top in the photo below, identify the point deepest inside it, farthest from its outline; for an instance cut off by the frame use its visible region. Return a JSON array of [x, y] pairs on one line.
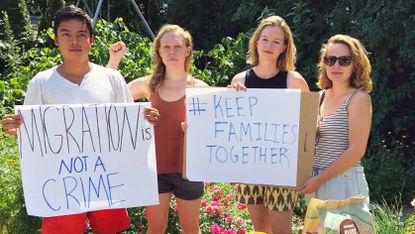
[[277, 81]]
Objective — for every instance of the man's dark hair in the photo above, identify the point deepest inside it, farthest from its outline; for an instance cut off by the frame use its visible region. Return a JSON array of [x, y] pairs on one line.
[[71, 12]]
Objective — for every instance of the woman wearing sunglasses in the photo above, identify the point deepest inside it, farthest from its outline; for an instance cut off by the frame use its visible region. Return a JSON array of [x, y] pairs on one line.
[[345, 115]]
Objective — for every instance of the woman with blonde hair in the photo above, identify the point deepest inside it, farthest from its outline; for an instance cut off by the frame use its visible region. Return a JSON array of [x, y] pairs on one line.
[[272, 54], [165, 88], [345, 115]]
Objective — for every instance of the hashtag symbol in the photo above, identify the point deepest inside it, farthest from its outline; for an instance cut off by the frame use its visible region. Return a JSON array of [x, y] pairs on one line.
[[195, 106]]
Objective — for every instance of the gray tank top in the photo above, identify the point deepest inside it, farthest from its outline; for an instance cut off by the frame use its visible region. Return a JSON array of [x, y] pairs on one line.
[[332, 134]]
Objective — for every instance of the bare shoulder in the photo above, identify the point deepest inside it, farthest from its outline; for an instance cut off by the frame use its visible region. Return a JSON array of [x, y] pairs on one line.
[[361, 100], [296, 81], [139, 87], [240, 77], [200, 83]]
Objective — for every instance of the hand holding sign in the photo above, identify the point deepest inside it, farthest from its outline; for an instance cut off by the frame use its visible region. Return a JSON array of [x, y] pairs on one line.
[[11, 123], [78, 158], [248, 137]]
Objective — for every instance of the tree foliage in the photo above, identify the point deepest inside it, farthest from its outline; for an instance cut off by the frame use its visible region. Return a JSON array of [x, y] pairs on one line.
[[47, 16], [19, 20]]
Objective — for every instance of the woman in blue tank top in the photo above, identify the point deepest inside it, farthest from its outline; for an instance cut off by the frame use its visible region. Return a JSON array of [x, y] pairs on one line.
[[345, 116], [272, 54]]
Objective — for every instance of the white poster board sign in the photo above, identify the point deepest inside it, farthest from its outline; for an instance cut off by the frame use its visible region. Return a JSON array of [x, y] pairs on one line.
[[78, 158], [247, 137]]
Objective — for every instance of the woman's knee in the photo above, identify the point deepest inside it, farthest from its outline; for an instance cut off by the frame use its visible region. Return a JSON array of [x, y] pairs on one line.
[[156, 227], [190, 228]]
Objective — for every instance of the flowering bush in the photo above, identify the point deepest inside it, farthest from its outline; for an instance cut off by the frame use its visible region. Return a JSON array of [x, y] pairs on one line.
[[220, 213]]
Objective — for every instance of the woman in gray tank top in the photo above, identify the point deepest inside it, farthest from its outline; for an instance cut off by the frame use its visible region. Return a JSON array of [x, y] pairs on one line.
[[344, 121]]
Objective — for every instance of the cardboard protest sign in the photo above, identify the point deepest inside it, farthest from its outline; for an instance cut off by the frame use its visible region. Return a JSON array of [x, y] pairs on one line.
[[250, 137], [78, 158]]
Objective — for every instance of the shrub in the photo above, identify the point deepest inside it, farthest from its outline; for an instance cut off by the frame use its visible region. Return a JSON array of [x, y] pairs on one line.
[[19, 21], [13, 216], [387, 218]]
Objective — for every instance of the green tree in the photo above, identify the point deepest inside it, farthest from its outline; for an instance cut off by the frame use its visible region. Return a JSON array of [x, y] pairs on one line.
[[19, 20], [208, 21], [388, 31], [36, 7], [47, 17], [152, 11], [9, 52]]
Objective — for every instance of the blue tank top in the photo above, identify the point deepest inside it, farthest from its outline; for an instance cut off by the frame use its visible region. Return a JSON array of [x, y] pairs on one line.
[[254, 81]]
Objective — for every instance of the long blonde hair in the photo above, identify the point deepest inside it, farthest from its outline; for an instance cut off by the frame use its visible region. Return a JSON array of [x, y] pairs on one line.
[[361, 64], [286, 60], [158, 73]]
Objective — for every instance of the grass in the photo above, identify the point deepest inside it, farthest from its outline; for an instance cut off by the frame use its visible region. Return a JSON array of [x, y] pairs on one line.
[[388, 219]]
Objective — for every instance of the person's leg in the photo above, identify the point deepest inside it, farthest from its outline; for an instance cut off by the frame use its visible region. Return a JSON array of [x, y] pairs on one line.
[[259, 215], [280, 202], [189, 215], [253, 197], [109, 221], [158, 215], [281, 222], [188, 197]]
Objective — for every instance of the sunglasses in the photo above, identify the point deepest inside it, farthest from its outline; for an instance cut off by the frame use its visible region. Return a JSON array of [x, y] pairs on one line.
[[343, 60]]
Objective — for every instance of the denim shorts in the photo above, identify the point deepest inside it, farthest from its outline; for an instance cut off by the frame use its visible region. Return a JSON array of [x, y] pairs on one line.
[[350, 183], [181, 188]]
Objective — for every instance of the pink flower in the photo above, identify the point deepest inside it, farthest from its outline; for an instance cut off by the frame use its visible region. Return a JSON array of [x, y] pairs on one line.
[[230, 231], [230, 197], [229, 218], [240, 221], [242, 231], [413, 203], [215, 229], [209, 210], [226, 203], [140, 227], [215, 189], [215, 209], [144, 212], [240, 206], [217, 192], [216, 198], [215, 203], [203, 203], [176, 208]]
